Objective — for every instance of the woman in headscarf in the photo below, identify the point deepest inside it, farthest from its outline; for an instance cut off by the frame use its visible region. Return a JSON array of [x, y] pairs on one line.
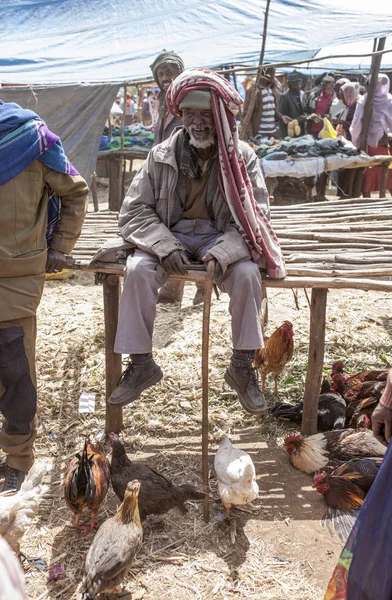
[[350, 95], [379, 128]]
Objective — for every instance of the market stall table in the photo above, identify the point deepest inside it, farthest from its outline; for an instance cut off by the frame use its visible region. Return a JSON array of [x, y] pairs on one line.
[[313, 166]]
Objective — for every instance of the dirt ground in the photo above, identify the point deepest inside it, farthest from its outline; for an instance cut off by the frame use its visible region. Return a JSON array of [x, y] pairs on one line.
[[281, 551]]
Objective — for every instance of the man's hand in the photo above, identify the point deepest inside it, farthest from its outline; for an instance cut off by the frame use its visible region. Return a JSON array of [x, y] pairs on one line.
[[216, 266], [382, 423], [176, 262], [57, 261], [285, 119]]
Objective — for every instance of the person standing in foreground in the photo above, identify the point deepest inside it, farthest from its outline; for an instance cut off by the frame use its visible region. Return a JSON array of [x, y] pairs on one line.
[[199, 195], [382, 415], [43, 202], [379, 128]]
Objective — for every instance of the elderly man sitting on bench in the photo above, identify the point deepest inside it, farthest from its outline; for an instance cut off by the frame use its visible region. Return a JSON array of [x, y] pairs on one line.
[[199, 196]]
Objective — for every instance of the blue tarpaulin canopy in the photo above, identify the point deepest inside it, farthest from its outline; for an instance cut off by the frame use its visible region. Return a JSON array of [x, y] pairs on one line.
[[70, 41]]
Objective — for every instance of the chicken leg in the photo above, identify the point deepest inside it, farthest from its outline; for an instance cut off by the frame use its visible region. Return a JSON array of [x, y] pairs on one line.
[[232, 523]]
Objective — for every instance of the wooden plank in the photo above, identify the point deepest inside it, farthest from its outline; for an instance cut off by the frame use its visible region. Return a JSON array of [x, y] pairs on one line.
[[318, 310], [111, 300], [116, 193]]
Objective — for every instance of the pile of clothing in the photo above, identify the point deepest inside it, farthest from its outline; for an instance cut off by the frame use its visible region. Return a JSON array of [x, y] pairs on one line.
[[306, 147], [136, 136]]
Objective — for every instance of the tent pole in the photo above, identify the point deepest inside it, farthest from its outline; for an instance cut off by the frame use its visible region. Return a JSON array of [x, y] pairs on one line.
[[367, 112], [254, 91]]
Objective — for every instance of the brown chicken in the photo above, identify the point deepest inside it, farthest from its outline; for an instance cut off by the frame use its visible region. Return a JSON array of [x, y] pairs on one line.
[[361, 396], [322, 450], [114, 547], [346, 487], [277, 352], [86, 482], [157, 493]]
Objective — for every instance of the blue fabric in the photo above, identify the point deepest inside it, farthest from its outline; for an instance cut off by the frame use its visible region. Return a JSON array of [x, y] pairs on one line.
[[67, 41], [370, 574], [24, 137]]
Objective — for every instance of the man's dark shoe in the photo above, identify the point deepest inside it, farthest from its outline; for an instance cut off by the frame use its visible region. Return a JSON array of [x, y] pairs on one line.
[[136, 378], [243, 379], [13, 479]]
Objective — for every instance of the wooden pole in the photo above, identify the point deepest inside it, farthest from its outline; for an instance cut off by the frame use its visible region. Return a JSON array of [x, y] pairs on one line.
[[204, 376], [255, 90], [367, 112], [111, 300], [94, 191], [384, 180], [315, 360]]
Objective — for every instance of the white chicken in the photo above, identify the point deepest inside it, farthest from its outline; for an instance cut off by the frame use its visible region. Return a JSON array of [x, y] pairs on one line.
[[236, 477], [11, 574], [18, 509]]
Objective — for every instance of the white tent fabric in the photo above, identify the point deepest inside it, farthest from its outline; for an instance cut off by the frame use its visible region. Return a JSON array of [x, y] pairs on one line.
[[67, 41]]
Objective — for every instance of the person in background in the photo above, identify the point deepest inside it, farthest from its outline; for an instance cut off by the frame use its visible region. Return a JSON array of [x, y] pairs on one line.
[[146, 115], [43, 202], [338, 105], [292, 104], [350, 94], [263, 121], [129, 109], [379, 128], [165, 68], [154, 108], [319, 105]]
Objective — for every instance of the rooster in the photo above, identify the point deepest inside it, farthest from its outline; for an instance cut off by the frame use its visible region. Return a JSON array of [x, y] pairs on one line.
[[353, 378], [324, 449], [17, 510], [361, 396], [86, 482], [114, 547], [157, 493], [277, 352], [346, 487], [331, 411]]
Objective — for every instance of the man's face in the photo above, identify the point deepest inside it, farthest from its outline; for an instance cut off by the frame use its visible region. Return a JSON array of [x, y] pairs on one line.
[[166, 73], [328, 88], [200, 126], [295, 87]]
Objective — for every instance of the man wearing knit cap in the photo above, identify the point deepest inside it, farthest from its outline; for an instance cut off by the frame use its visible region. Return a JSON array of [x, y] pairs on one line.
[[292, 103], [165, 68], [382, 415], [200, 196]]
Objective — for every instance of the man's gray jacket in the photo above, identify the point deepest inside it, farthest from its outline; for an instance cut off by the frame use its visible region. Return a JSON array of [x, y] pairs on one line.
[[155, 202]]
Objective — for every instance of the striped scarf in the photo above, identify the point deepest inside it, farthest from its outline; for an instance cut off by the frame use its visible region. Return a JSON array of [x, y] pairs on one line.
[[234, 182]]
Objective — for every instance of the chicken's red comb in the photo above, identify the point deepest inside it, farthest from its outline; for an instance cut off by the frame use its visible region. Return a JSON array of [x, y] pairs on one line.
[[289, 439], [338, 364], [288, 324], [338, 377], [319, 479]]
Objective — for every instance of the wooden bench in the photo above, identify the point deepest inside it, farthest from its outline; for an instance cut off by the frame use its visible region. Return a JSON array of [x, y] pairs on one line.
[[327, 245]]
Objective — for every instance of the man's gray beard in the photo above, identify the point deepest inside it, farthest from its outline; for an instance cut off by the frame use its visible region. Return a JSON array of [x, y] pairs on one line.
[[201, 144]]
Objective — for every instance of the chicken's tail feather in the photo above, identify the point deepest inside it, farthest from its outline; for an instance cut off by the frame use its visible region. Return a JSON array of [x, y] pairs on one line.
[[339, 522], [189, 492], [289, 412]]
